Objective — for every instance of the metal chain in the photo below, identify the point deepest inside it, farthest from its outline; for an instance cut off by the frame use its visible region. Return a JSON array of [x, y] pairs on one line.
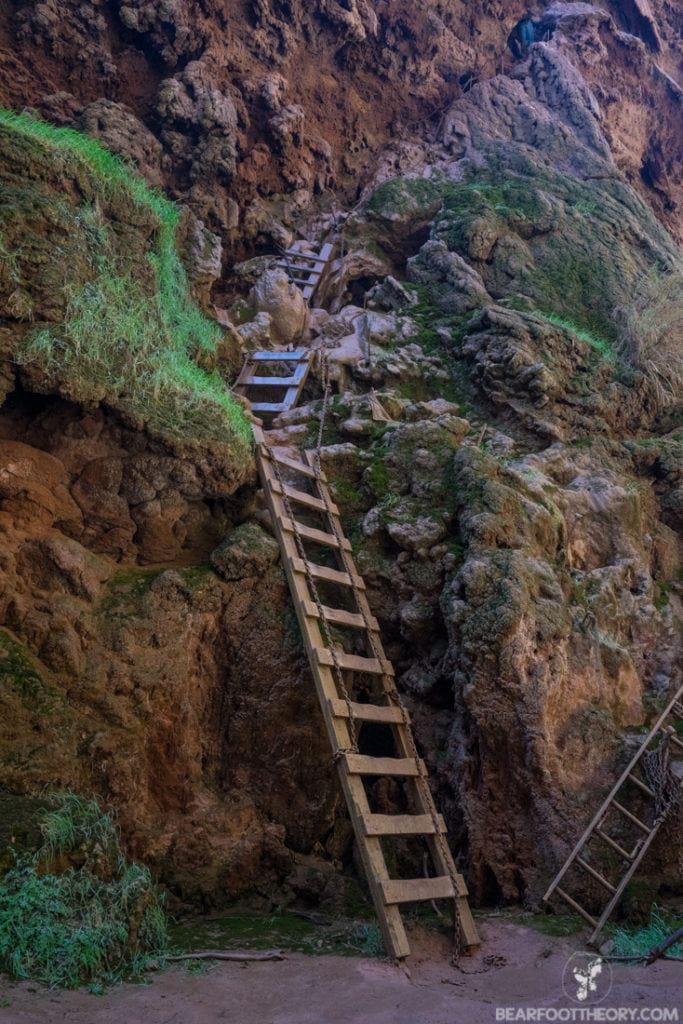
[[388, 684]]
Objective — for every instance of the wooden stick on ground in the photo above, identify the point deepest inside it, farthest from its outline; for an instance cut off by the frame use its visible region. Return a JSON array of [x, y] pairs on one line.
[[661, 947], [240, 957]]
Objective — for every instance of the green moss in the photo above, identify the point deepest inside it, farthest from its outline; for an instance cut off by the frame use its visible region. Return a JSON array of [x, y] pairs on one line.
[[121, 342], [19, 674], [600, 345], [126, 590], [403, 194], [281, 930], [557, 925], [197, 576]]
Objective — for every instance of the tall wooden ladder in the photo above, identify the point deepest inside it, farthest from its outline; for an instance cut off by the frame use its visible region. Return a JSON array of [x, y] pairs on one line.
[[306, 270], [621, 808], [355, 685]]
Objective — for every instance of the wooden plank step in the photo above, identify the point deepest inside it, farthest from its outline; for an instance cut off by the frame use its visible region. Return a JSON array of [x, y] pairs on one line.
[[272, 382], [354, 620], [402, 825], [293, 464], [323, 572], [595, 874], [273, 407], [312, 534], [364, 764], [268, 356], [302, 498], [641, 785], [576, 906], [305, 257], [417, 889], [614, 844], [354, 663], [631, 817], [388, 715]]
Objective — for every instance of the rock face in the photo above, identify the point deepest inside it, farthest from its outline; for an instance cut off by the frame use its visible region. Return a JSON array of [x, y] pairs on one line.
[[239, 100], [510, 474]]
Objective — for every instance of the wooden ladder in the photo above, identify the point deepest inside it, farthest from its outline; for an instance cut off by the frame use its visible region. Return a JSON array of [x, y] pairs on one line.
[[305, 270], [283, 390], [296, 491], [630, 785]]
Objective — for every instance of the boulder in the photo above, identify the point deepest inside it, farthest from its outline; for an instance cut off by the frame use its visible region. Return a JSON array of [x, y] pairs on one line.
[[458, 288], [248, 551], [274, 294]]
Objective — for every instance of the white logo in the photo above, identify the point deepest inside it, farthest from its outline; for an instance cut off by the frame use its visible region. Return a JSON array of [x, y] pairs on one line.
[[587, 978]]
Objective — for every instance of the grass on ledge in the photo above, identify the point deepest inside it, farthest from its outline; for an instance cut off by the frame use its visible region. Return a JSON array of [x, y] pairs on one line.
[[598, 344], [118, 343]]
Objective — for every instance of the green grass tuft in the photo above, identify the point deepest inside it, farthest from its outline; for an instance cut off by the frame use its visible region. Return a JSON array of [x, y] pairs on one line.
[[118, 343], [633, 943], [598, 344], [94, 923]]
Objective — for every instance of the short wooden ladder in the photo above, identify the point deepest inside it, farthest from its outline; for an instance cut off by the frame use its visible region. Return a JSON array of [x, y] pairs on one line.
[[306, 518], [618, 806], [279, 377], [306, 270]]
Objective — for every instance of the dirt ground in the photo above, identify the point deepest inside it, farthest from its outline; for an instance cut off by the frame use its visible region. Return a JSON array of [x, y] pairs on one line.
[[516, 967]]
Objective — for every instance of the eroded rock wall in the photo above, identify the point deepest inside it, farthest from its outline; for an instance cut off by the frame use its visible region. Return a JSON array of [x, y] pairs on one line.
[[252, 113]]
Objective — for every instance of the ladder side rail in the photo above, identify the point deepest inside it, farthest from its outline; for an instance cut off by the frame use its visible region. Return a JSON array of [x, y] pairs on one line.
[[390, 921], [440, 852], [604, 807], [633, 867]]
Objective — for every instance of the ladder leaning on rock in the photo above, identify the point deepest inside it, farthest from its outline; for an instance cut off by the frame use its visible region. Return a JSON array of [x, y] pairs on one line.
[[634, 782], [306, 269], [354, 680]]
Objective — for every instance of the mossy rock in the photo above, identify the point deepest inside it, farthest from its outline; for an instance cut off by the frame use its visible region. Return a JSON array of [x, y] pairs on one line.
[[248, 551], [94, 293], [20, 820], [20, 676]]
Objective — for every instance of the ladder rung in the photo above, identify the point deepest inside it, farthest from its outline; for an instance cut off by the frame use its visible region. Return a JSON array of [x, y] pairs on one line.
[[293, 464], [323, 572], [310, 533], [641, 785], [577, 906], [354, 663], [279, 357], [614, 844], [339, 616], [302, 498], [364, 764], [305, 257], [268, 407], [270, 382], [414, 889], [676, 740], [631, 817], [402, 825], [389, 715], [595, 874]]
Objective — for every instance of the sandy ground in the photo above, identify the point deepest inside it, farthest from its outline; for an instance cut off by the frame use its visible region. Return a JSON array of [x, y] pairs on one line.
[[517, 967]]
